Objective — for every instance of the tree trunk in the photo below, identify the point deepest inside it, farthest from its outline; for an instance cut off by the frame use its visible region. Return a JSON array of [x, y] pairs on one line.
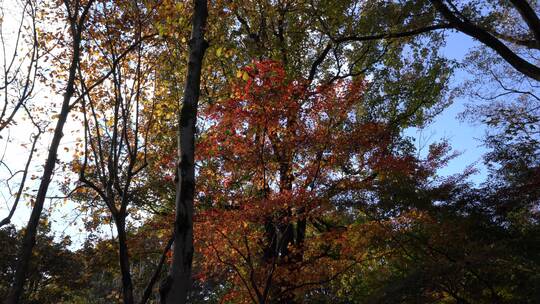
[[127, 285], [177, 284]]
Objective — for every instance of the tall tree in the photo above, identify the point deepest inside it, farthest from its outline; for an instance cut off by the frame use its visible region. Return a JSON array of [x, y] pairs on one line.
[[178, 283], [76, 13], [113, 152]]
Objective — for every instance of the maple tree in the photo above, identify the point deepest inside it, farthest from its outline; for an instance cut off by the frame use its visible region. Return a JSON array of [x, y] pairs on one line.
[[286, 156]]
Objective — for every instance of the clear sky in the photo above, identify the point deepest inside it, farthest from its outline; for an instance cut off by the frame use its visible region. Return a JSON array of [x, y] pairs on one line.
[[463, 136]]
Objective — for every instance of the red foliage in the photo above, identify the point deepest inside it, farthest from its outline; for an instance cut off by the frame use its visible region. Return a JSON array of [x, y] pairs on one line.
[[277, 153]]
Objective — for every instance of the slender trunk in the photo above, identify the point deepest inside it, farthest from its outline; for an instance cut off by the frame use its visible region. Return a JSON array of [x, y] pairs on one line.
[[271, 249], [127, 285], [23, 261], [148, 290], [286, 230], [175, 288], [301, 228], [279, 234]]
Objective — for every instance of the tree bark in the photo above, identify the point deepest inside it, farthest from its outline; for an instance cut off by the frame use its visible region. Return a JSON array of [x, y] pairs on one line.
[[176, 286], [127, 285]]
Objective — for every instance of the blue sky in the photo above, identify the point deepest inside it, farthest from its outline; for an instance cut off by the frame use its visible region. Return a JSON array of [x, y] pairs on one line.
[[463, 136]]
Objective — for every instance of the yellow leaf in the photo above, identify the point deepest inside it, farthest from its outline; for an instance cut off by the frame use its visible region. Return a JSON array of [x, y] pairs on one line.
[[218, 52], [239, 74], [245, 76]]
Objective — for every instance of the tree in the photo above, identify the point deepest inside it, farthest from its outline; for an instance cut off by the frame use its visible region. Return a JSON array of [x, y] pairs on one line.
[[414, 111], [307, 188], [175, 288], [275, 223], [115, 142], [19, 71], [77, 13]]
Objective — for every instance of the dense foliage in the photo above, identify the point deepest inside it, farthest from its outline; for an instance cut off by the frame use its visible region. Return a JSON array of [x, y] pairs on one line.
[[307, 187]]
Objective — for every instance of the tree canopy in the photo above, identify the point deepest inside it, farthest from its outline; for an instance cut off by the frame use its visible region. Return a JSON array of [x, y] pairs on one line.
[[259, 151]]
